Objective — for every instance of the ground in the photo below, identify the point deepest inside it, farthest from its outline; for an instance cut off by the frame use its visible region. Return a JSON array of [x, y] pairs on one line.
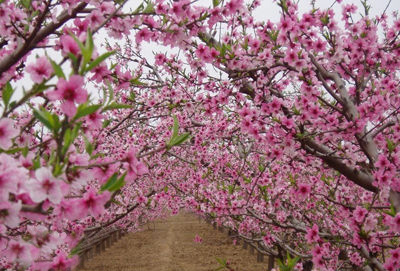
[[168, 245]]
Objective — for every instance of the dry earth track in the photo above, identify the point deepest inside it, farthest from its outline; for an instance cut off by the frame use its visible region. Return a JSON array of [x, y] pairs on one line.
[[167, 245]]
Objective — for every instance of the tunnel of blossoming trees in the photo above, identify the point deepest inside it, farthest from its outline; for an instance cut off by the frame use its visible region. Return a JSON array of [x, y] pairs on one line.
[[283, 131]]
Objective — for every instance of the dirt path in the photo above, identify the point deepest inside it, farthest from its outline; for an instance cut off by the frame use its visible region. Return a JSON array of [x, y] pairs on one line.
[[168, 246]]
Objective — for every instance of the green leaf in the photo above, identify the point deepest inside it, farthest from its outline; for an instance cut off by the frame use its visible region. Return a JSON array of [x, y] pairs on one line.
[[139, 9], [137, 82], [49, 120], [26, 3], [110, 92], [114, 183], [98, 60], [44, 117], [390, 145], [88, 146], [89, 45], [231, 189], [392, 211], [76, 249], [175, 128], [80, 44], [325, 19], [7, 93], [106, 123], [25, 151], [55, 121], [74, 59], [132, 96], [67, 141], [58, 169], [69, 137], [180, 139], [114, 105], [84, 110], [149, 8], [247, 180], [36, 163], [222, 262], [283, 5], [57, 69], [216, 2], [109, 182], [14, 151], [273, 34]]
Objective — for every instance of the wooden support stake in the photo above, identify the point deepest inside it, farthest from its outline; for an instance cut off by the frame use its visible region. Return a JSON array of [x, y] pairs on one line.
[[91, 253], [103, 246], [82, 261], [271, 262], [108, 241], [260, 257], [98, 249], [245, 244], [214, 226], [251, 249]]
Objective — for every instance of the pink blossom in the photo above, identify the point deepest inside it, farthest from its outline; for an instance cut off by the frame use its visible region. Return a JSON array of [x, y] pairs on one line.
[[81, 25], [395, 254], [370, 223], [100, 72], [317, 251], [68, 209], [10, 176], [94, 120], [69, 45], [7, 133], [19, 252], [355, 258], [143, 35], [197, 239], [93, 203], [318, 262], [135, 167], [95, 18], [396, 222], [63, 262], [70, 92], [9, 213], [304, 190], [45, 186], [160, 59], [41, 70], [312, 234], [268, 239], [233, 6], [359, 214], [107, 7], [203, 52]]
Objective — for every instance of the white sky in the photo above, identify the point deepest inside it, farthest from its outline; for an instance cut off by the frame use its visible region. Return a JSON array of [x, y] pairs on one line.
[[270, 10]]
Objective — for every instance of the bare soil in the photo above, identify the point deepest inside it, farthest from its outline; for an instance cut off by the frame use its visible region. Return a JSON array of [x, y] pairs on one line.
[[168, 245]]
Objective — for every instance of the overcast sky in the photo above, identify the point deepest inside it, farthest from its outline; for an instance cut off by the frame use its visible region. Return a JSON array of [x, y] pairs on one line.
[[269, 10]]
